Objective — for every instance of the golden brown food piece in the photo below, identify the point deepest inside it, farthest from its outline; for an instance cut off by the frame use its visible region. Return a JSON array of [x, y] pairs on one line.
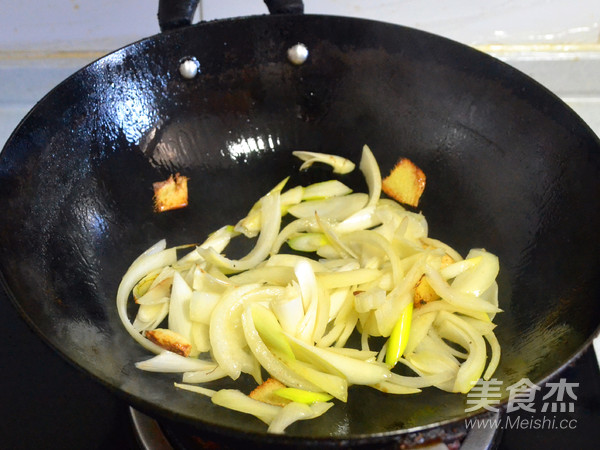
[[424, 293], [170, 340], [405, 183], [171, 193], [266, 393]]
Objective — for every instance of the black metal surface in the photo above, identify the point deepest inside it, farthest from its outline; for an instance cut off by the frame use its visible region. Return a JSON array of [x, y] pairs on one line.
[[509, 168], [176, 14], [285, 6]]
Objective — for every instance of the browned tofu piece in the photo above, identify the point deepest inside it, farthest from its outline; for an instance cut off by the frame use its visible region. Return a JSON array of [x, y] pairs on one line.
[[424, 293], [171, 193], [266, 392], [405, 183], [170, 340]]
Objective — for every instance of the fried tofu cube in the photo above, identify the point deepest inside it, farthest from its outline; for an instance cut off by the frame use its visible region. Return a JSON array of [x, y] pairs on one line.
[[424, 293], [171, 193], [266, 392], [405, 183], [170, 340]]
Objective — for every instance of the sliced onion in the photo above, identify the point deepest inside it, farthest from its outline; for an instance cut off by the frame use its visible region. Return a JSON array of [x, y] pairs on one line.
[[204, 376], [307, 242], [459, 267], [278, 275], [238, 401], [271, 219], [371, 238], [495, 358], [480, 277], [196, 389], [150, 316], [361, 220], [442, 245], [370, 169], [325, 189], [226, 333], [452, 327], [202, 304], [152, 259], [334, 208], [354, 370], [157, 294], [333, 238], [339, 164], [365, 217], [443, 305], [419, 328], [455, 297], [171, 362], [271, 363], [288, 308], [294, 411], [297, 226], [334, 385], [432, 361], [391, 388], [179, 308], [292, 260], [420, 381], [310, 300], [219, 239]]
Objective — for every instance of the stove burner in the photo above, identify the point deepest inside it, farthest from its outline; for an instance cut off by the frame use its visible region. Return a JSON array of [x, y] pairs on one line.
[[151, 436]]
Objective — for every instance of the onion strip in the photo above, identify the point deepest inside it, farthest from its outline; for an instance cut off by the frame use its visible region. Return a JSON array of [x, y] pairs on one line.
[[293, 315]]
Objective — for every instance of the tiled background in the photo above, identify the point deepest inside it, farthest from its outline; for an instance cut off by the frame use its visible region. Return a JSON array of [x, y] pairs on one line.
[[556, 42]]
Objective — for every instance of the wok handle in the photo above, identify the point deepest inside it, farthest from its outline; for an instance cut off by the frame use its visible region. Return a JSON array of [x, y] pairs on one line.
[[174, 14], [285, 6]]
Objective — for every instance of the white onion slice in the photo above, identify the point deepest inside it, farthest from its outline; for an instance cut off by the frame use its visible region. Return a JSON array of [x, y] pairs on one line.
[[333, 208], [238, 401], [354, 370], [226, 333], [196, 389], [294, 411], [452, 327], [370, 169], [325, 189], [171, 362], [271, 363], [495, 358], [204, 376], [340, 165], [270, 219], [455, 297], [152, 259]]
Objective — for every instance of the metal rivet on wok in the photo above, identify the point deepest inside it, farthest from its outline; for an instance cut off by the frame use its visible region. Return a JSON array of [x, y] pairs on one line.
[[297, 54], [189, 67]]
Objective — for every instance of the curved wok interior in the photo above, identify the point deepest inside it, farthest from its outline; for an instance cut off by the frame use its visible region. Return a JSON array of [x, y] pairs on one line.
[[508, 166]]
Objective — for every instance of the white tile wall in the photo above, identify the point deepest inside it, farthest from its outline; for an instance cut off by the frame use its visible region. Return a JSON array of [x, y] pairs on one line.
[[49, 25], [468, 21], [43, 41]]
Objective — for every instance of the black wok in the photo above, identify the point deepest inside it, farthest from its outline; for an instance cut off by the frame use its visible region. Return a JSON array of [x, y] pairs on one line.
[[509, 168]]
